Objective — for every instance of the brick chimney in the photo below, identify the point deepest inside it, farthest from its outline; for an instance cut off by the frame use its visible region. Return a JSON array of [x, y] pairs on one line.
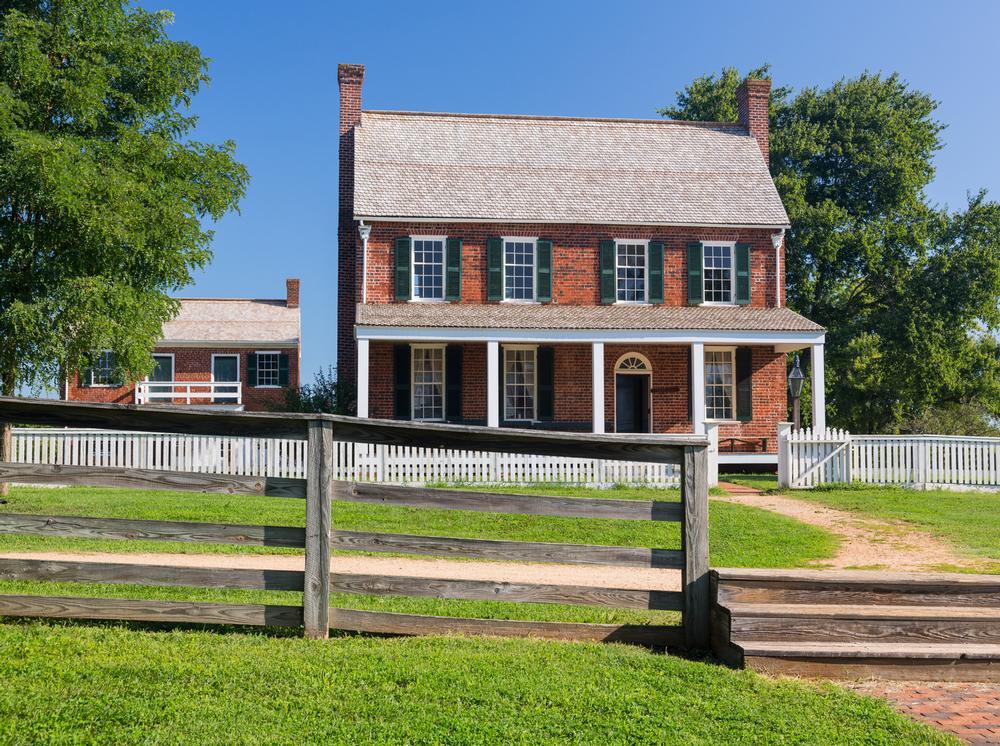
[[752, 99], [350, 78], [292, 292]]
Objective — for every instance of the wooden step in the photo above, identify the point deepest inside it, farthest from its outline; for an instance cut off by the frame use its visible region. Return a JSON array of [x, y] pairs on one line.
[[902, 624]]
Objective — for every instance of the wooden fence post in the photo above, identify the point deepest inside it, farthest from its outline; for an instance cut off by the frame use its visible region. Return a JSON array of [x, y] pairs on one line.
[[694, 542], [319, 493]]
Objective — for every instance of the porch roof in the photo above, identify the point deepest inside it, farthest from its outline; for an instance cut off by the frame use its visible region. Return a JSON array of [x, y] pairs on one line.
[[565, 317]]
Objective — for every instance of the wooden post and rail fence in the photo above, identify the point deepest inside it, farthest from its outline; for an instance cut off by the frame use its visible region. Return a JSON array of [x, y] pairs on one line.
[[319, 488]]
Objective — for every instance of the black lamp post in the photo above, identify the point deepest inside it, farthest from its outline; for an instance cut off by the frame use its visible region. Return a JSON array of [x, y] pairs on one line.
[[795, 380]]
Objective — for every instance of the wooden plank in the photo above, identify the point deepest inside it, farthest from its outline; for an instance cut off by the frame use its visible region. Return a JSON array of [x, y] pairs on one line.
[[569, 507], [858, 578], [183, 612], [141, 574], [898, 669], [159, 418], [413, 624], [319, 492], [511, 551], [696, 584], [491, 590], [126, 528], [825, 629], [152, 479]]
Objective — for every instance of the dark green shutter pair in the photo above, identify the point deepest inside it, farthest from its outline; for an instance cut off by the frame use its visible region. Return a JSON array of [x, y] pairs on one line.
[[696, 276], [609, 272], [494, 270], [744, 385], [402, 392], [452, 269]]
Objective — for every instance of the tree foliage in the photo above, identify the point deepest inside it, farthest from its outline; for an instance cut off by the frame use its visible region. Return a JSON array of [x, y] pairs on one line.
[[328, 394], [103, 193], [907, 290]]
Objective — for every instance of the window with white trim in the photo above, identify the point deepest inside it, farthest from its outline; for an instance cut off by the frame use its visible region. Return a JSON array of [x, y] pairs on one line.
[[720, 385], [630, 271], [268, 364], [428, 382], [719, 274], [519, 269], [428, 268], [520, 383], [104, 371]]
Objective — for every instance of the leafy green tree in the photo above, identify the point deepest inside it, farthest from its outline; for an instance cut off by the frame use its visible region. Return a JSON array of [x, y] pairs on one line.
[[907, 291], [102, 190]]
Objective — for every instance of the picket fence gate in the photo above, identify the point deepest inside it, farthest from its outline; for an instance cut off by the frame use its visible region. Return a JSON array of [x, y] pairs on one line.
[[274, 457], [808, 458]]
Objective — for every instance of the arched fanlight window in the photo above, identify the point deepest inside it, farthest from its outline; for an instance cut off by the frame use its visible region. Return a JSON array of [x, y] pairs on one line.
[[633, 362]]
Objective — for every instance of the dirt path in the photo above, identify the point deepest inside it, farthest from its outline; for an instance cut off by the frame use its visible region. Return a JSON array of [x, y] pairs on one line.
[[509, 572], [866, 543]]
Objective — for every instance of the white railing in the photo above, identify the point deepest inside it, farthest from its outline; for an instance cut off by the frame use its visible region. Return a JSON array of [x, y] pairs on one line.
[[808, 458], [354, 461], [189, 392]]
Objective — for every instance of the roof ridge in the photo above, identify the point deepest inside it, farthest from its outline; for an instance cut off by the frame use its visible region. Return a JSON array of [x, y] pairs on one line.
[[556, 118]]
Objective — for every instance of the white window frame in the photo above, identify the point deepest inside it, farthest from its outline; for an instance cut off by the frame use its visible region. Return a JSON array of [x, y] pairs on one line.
[[444, 383], [239, 375], [257, 384], [534, 383], [731, 245], [645, 283], [533, 240], [89, 382], [173, 366], [413, 264], [732, 358]]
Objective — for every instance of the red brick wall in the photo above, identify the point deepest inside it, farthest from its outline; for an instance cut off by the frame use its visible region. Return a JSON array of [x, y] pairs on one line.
[[575, 258], [752, 99], [195, 364], [350, 79]]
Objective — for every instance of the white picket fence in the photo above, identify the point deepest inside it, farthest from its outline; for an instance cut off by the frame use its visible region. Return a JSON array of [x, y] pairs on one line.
[[808, 458], [354, 461]]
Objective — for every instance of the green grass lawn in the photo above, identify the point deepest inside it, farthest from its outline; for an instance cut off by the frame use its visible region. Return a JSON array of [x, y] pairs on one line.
[[114, 684]]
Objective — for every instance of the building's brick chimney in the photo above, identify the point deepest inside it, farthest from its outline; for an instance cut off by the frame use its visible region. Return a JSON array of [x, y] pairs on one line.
[[292, 292], [350, 78], [752, 99]]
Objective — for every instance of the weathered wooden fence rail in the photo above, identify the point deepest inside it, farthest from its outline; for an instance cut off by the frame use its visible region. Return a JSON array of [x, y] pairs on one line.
[[808, 458], [320, 486], [377, 462]]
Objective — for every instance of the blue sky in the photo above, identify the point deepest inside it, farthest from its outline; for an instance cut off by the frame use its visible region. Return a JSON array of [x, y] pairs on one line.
[[274, 91]]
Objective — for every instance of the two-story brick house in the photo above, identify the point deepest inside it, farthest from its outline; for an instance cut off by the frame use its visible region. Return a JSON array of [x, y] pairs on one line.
[[233, 353], [596, 274]]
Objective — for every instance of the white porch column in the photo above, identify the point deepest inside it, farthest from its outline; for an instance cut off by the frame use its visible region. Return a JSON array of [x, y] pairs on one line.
[[818, 389], [698, 387], [362, 378], [493, 384], [712, 431], [597, 384]]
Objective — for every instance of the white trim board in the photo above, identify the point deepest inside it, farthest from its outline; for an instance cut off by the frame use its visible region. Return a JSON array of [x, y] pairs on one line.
[[748, 458], [532, 221]]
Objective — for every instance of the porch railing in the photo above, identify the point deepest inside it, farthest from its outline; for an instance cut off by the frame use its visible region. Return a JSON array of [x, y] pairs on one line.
[[189, 392]]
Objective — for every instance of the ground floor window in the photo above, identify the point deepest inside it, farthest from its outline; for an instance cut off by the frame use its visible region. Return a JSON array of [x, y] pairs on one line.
[[428, 383], [268, 365], [719, 385], [520, 383], [104, 371]]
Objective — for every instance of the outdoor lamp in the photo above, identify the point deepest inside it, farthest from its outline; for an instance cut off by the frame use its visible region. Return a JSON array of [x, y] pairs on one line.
[[796, 378]]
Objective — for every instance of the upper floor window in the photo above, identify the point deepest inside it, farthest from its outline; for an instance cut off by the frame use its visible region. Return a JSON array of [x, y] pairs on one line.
[[428, 382], [104, 371], [630, 271], [718, 272], [428, 267], [519, 269], [520, 383]]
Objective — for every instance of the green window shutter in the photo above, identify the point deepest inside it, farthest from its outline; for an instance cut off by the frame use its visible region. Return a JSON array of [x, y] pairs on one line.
[[502, 378], [401, 371], [283, 369], [608, 294], [453, 382], [252, 369], [543, 271], [546, 362], [696, 282], [690, 388], [656, 272], [403, 268], [742, 262], [494, 269], [453, 269], [744, 385], [85, 377]]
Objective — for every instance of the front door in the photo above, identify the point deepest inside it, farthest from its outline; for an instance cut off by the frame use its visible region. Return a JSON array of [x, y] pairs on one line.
[[225, 368], [631, 403], [163, 370]]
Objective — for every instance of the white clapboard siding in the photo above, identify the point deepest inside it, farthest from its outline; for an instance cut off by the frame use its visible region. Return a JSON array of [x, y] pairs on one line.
[[354, 461], [836, 456]]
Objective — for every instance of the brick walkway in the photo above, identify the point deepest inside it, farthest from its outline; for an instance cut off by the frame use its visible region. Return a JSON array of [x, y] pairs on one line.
[[969, 711]]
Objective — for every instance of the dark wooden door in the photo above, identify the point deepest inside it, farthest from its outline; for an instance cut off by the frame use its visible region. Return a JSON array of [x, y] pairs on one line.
[[631, 404]]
